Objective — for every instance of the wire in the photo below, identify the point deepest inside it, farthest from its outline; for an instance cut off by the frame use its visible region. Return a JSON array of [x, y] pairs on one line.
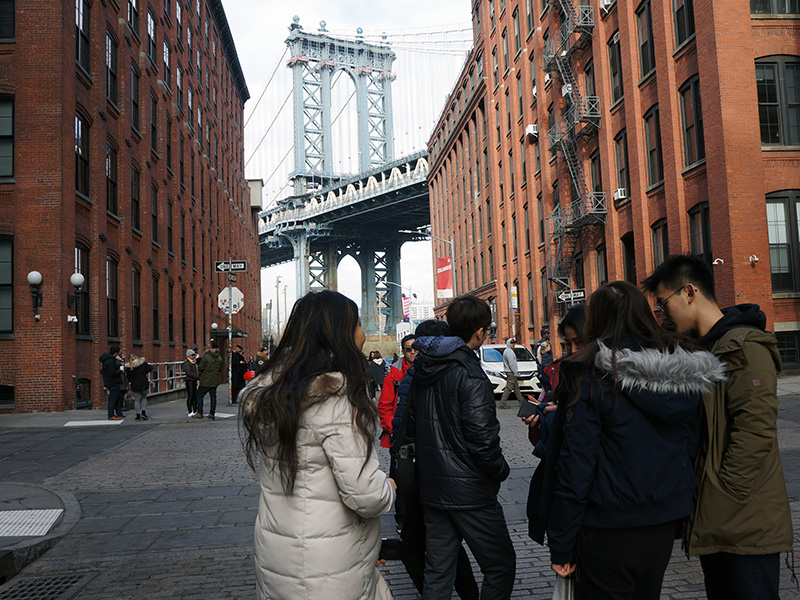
[[280, 61], [263, 137]]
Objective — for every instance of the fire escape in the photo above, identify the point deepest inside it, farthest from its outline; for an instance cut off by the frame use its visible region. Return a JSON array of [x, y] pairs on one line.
[[581, 118]]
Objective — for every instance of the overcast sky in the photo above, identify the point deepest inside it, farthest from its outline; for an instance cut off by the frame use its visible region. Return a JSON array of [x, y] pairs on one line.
[[259, 29]]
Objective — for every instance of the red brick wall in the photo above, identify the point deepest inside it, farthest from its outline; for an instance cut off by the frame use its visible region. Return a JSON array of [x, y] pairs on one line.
[[46, 217]]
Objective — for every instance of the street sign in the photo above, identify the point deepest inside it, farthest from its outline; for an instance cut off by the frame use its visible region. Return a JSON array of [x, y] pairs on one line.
[[224, 266], [233, 295], [571, 296]]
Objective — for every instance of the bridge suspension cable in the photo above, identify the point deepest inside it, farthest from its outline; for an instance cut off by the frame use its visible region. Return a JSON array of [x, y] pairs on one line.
[[263, 137], [264, 91]]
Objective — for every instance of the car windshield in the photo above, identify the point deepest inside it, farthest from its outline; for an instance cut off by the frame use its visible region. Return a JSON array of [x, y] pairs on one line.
[[496, 354]]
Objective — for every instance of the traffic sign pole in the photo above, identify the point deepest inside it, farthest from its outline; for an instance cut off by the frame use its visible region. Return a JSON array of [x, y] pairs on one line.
[[230, 334]]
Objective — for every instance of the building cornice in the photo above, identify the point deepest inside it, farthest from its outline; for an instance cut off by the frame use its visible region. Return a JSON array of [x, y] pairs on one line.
[[226, 38]]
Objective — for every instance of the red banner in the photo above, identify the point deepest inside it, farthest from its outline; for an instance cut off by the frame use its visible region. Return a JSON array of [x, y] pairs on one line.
[[444, 277]]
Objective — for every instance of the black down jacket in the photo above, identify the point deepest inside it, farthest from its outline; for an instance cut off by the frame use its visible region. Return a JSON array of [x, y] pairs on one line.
[[459, 461], [110, 370]]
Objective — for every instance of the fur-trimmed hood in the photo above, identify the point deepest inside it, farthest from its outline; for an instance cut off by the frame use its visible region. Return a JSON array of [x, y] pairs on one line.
[[656, 381], [134, 362]]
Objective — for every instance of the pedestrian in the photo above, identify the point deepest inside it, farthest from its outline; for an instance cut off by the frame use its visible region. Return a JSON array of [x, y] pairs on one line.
[[238, 369], [377, 372], [137, 370], [412, 533], [741, 520], [459, 461], [627, 404], [311, 423], [511, 371], [113, 379], [261, 360], [210, 367], [387, 403], [251, 363], [191, 377]]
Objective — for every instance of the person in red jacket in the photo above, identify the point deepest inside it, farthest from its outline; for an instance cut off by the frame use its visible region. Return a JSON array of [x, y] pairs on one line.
[[387, 402]]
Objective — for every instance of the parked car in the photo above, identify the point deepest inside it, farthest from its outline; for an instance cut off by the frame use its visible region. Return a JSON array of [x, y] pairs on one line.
[[491, 356]]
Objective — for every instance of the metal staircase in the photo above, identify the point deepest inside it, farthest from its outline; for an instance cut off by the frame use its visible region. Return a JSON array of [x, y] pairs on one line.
[[582, 118]]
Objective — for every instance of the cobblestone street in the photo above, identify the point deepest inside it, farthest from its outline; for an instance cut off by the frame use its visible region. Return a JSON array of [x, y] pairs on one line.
[[168, 506]]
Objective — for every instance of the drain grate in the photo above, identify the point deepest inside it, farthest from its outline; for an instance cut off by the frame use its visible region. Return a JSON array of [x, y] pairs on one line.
[[27, 522], [56, 587]]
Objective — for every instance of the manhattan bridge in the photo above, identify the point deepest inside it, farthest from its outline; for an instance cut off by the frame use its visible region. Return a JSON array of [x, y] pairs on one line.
[[349, 193]]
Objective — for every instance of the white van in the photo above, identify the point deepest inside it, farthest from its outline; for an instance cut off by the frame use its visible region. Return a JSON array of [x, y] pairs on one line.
[[491, 356]]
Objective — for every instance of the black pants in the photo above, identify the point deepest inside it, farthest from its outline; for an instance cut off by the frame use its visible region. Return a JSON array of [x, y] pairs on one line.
[[623, 564], [237, 385], [413, 552], [738, 577], [201, 393], [486, 534], [191, 395]]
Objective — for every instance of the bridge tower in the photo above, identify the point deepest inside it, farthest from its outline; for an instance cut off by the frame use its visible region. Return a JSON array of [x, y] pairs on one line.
[[315, 58]]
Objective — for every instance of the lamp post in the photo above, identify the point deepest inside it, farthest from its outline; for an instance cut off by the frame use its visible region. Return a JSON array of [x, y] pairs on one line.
[[35, 280], [427, 232], [278, 304]]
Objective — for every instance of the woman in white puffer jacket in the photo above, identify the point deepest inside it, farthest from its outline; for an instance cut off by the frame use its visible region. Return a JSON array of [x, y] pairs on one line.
[[310, 421]]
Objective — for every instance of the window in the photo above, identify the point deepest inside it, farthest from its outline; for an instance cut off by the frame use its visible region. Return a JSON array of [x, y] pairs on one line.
[[660, 242], [488, 216], [508, 113], [529, 14], [775, 7], [578, 281], [683, 11], [615, 64], [597, 176], [644, 22], [134, 98], [514, 234], [517, 43], [491, 14], [135, 204], [112, 304], [179, 86], [540, 216], [778, 84], [183, 310], [495, 67], [133, 15], [111, 68], [152, 32], [783, 230], [183, 236], [136, 289], [497, 120], [167, 71], [545, 293], [524, 166], [179, 26], [537, 159], [154, 212], [6, 136], [82, 22], [692, 117], [652, 138], [532, 68], [500, 181], [519, 94], [6, 284], [628, 258], [551, 122], [600, 264], [588, 78], [169, 226], [527, 229], [181, 159], [6, 18], [111, 178], [505, 50], [511, 172], [153, 123], [621, 151], [169, 144], [155, 309], [82, 304], [700, 231], [81, 155], [171, 312]]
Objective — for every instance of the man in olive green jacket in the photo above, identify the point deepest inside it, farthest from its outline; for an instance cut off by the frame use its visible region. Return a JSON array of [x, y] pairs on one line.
[[210, 366], [741, 519]]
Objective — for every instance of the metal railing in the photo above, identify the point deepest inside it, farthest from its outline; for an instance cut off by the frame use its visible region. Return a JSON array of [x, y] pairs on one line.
[[166, 377]]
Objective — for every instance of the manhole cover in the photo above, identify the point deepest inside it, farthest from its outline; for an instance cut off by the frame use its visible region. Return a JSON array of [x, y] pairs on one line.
[[56, 587]]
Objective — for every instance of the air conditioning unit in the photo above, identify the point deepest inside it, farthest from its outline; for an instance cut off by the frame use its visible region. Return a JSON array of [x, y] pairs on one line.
[[532, 130], [606, 4], [620, 194], [534, 92], [547, 78], [566, 89]]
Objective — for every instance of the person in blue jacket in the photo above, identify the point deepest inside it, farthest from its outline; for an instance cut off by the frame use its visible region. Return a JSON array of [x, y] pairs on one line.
[[624, 478]]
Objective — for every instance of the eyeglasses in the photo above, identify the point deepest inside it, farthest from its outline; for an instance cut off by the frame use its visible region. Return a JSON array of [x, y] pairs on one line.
[[409, 349], [661, 305]]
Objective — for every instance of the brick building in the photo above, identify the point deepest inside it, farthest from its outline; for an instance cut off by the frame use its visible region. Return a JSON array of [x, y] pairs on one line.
[[121, 153], [583, 143]]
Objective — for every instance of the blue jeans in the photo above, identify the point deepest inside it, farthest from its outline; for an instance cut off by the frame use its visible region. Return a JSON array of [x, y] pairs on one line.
[[114, 404], [201, 393], [741, 577]]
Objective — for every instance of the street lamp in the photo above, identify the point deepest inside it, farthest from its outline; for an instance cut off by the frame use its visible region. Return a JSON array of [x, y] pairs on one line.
[[77, 280], [427, 231], [214, 327], [35, 280]]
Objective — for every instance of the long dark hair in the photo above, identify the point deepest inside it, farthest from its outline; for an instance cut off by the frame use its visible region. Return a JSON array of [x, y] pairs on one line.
[[318, 340], [618, 314]]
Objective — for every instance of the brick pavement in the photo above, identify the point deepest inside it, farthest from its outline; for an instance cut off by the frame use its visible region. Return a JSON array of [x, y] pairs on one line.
[[168, 508]]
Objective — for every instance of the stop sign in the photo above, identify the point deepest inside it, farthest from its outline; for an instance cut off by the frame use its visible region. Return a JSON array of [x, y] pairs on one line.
[[235, 295]]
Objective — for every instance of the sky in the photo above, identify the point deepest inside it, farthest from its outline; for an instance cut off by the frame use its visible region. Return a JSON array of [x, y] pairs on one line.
[[423, 81]]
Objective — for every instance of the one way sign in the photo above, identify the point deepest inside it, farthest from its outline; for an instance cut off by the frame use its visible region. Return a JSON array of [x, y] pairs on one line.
[[571, 296], [224, 266]]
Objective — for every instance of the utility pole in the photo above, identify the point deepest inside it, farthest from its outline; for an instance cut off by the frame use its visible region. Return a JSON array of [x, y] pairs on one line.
[[285, 306], [278, 304]]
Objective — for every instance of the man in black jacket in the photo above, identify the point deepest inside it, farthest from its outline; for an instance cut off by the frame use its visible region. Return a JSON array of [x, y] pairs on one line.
[[459, 460], [112, 373]]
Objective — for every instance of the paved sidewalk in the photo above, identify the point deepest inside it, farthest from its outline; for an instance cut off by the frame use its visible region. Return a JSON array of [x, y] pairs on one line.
[[165, 508]]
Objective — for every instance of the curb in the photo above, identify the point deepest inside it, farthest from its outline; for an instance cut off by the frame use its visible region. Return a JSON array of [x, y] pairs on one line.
[[24, 553]]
